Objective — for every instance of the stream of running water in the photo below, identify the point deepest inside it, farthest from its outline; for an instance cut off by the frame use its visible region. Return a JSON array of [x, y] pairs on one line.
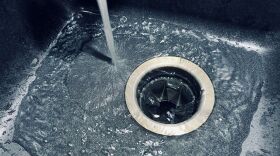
[[102, 4]]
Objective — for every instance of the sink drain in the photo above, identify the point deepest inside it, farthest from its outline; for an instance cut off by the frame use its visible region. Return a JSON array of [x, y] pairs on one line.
[[169, 95]]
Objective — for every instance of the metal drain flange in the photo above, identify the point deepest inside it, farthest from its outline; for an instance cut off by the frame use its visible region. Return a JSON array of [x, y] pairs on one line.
[[169, 95]]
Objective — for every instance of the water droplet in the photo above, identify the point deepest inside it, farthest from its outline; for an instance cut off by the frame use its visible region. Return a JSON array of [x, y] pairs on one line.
[[144, 23], [83, 151], [123, 19], [34, 62], [54, 129], [152, 39]]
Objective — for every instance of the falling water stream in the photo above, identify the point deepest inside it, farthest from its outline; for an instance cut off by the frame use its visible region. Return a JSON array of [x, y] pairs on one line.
[[102, 4]]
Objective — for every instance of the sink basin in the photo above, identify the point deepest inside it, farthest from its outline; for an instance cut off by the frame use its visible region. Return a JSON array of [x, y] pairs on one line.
[[59, 98]]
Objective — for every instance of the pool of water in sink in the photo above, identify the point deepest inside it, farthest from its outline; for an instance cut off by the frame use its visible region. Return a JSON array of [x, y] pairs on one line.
[[76, 104]]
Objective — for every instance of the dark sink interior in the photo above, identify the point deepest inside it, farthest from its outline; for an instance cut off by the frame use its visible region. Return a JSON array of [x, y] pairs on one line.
[[57, 97]]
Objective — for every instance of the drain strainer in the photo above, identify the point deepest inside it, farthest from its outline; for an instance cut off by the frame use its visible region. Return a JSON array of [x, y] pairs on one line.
[[169, 95]]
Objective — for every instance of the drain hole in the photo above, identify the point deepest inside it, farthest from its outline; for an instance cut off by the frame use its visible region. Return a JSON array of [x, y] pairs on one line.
[[168, 95]]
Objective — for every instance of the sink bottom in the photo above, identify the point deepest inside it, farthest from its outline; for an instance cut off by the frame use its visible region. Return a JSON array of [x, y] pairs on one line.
[[76, 104]]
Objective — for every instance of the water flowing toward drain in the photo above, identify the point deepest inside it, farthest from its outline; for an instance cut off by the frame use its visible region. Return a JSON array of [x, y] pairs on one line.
[[91, 92]]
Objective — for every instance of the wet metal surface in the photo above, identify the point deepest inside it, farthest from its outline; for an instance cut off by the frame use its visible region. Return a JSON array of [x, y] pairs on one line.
[[75, 105]]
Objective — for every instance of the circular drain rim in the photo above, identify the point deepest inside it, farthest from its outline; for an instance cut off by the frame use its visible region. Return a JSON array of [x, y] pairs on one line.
[[204, 109]]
